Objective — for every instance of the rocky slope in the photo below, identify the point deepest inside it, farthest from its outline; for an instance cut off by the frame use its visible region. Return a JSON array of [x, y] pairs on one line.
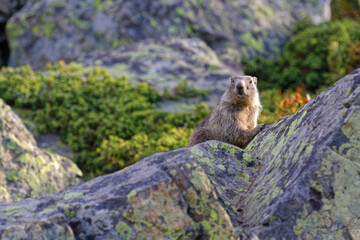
[[167, 195], [46, 31], [298, 179], [308, 186], [26, 170]]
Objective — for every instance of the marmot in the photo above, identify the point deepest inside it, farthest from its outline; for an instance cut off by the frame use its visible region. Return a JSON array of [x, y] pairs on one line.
[[234, 120]]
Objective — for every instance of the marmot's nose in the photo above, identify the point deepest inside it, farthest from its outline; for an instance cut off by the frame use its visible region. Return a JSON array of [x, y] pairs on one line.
[[239, 86]]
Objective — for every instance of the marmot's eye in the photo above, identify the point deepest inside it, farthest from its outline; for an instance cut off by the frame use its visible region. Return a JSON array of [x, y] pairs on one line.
[[232, 80], [251, 81]]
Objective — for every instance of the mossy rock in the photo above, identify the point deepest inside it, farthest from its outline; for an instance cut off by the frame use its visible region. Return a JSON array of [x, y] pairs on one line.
[[26, 170], [307, 187], [165, 196]]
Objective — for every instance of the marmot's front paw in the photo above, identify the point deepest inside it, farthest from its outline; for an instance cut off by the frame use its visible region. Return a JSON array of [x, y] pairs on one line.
[[262, 126]]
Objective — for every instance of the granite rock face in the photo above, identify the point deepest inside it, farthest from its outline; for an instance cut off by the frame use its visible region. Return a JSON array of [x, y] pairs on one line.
[[26, 170], [165, 196], [49, 30], [298, 179], [308, 186]]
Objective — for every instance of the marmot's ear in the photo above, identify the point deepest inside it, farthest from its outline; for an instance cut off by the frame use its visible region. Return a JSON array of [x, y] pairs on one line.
[[255, 80]]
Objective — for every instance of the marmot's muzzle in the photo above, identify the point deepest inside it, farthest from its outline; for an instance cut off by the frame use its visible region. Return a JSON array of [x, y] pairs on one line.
[[240, 89]]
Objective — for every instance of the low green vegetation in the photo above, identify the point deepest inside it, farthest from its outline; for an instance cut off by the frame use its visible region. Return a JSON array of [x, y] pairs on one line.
[[109, 123], [315, 57]]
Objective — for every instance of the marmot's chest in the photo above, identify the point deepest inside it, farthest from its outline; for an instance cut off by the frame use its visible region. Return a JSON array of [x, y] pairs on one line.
[[245, 119]]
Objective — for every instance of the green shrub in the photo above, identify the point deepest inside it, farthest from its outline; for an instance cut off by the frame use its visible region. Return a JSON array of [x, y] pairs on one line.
[[109, 123], [277, 104], [315, 56], [341, 9]]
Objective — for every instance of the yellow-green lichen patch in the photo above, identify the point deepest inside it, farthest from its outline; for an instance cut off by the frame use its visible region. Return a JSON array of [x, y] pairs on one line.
[[244, 176], [213, 215], [230, 149], [299, 227], [30, 178], [124, 230], [203, 199], [340, 206], [16, 211], [276, 192], [173, 172], [4, 195], [213, 145], [197, 154], [47, 210], [46, 169], [18, 144], [100, 5], [351, 129], [156, 213], [132, 194], [217, 226], [40, 161], [26, 158], [14, 31], [75, 169], [173, 158], [68, 210], [10, 210], [348, 91], [220, 166], [191, 197], [295, 124], [12, 176], [248, 158], [302, 149], [71, 195], [200, 181]]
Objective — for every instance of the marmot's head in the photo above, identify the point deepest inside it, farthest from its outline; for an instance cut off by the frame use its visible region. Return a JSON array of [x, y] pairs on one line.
[[243, 90], [243, 86]]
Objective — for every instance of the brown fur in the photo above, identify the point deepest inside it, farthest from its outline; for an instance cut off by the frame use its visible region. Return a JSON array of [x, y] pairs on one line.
[[234, 120]]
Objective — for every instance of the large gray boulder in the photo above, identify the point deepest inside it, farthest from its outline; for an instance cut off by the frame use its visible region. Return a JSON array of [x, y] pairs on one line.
[[49, 30], [178, 66], [298, 179], [308, 185], [165, 196], [26, 170]]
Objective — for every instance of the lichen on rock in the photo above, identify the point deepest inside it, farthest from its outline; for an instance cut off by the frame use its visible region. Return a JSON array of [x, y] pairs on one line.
[[308, 182], [104, 25], [297, 179], [26, 170]]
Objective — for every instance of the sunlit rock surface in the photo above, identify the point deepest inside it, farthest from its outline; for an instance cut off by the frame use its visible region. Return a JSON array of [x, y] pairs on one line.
[[26, 170]]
